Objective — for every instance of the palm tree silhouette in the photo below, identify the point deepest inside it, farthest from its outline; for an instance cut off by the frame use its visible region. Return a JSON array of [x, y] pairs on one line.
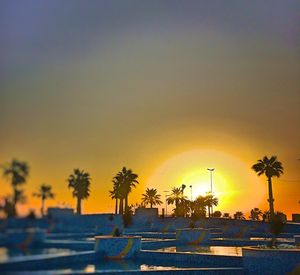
[[125, 180], [80, 182], [115, 194], [151, 197], [44, 192], [8, 207], [270, 167], [255, 214], [239, 215], [177, 197], [17, 172], [198, 207], [210, 202]]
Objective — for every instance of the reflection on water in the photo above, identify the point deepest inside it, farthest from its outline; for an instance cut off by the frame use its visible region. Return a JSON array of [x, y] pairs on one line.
[[9, 253], [269, 239], [156, 267], [214, 250], [155, 239]]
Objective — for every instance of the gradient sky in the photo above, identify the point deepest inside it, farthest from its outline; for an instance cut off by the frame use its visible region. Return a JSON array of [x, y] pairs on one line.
[[166, 88]]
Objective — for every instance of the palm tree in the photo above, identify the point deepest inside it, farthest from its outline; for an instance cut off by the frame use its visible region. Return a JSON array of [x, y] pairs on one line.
[[80, 182], [239, 215], [8, 207], [255, 214], [270, 167], [16, 172], [116, 195], [126, 180], [198, 207], [151, 197], [210, 202], [44, 193], [177, 197]]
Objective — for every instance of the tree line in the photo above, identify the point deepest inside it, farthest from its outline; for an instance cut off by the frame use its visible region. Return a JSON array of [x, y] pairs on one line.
[[17, 172]]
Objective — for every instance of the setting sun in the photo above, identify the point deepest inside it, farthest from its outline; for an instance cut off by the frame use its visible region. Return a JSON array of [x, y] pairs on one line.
[[233, 181]]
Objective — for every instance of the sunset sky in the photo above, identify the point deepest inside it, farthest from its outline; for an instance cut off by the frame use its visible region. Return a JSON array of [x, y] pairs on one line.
[[166, 88]]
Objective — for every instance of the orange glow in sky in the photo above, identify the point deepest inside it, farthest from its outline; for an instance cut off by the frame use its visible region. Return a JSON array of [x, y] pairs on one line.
[[166, 89], [232, 179]]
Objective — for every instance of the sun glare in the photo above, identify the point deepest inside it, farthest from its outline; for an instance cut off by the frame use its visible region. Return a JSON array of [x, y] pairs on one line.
[[232, 181]]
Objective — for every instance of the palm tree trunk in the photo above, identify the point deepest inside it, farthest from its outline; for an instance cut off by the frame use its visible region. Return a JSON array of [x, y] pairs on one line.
[[14, 212], [42, 208], [78, 206], [126, 204], [271, 199], [121, 206], [151, 205], [116, 207]]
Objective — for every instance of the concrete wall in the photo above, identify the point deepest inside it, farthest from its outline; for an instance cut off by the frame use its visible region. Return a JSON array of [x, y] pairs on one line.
[[99, 223], [271, 261], [57, 212], [106, 223], [296, 218]]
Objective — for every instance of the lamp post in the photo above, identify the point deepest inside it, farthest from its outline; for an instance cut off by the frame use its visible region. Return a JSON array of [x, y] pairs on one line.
[[166, 195], [211, 183], [191, 186], [211, 178]]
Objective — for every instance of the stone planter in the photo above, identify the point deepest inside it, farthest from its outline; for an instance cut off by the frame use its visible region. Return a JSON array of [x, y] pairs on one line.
[[25, 238], [271, 261], [123, 247], [192, 236]]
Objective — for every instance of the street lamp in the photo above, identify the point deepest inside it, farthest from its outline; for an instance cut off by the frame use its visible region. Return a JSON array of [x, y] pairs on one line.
[[211, 183], [191, 186], [211, 178]]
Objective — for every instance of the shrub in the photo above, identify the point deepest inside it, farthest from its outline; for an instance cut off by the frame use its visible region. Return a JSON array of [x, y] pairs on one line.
[[31, 215], [192, 224], [216, 214], [116, 232]]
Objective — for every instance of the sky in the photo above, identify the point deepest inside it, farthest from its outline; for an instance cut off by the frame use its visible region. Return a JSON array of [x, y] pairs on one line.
[[166, 88]]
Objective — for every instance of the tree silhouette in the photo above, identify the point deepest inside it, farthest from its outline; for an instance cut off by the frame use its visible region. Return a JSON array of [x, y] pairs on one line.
[[226, 216], [8, 207], [255, 214], [210, 202], [151, 197], [198, 207], [115, 194], [271, 167], [80, 182], [44, 192], [178, 198], [239, 215], [125, 180], [17, 173], [217, 214]]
